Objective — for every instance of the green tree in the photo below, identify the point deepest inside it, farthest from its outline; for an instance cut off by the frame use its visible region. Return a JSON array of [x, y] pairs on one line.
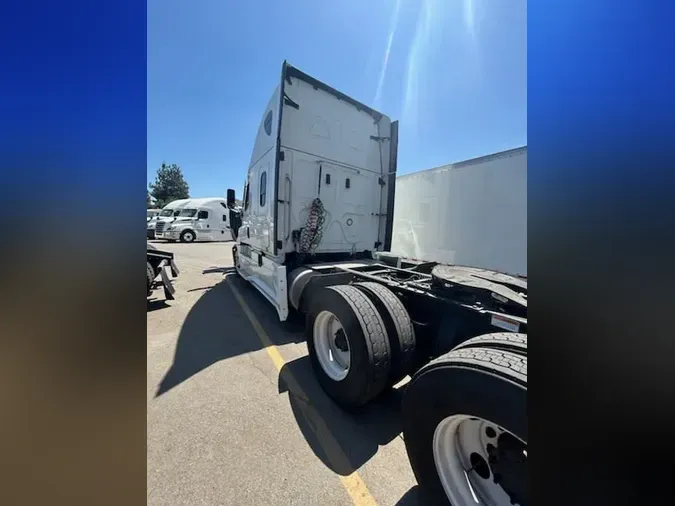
[[169, 185], [148, 200]]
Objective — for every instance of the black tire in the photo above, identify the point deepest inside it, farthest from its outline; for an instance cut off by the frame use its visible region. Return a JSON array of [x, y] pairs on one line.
[[370, 361], [187, 236], [505, 341], [480, 382], [399, 328], [150, 273]]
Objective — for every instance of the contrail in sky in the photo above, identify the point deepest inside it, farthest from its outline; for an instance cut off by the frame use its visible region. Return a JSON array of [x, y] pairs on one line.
[[385, 62], [416, 61], [469, 16], [423, 50]]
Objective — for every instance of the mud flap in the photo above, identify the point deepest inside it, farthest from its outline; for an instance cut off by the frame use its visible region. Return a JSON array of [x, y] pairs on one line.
[[169, 290], [174, 269]]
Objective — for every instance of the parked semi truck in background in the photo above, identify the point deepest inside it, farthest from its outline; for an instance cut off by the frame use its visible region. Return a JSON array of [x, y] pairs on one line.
[[166, 216], [314, 237], [468, 213], [203, 219]]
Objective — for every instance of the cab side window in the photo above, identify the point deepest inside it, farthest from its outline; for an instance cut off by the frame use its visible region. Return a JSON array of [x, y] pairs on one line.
[[203, 215], [263, 188]]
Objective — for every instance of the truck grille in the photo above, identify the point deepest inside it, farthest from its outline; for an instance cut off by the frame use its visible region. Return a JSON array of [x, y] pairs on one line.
[[160, 227]]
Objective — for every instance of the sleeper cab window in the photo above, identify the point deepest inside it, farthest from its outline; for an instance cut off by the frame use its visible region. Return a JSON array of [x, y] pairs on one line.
[[203, 215], [263, 188], [267, 124]]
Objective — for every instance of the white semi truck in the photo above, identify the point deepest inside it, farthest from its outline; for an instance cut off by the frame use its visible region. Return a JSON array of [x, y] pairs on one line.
[[202, 219], [313, 238], [166, 216]]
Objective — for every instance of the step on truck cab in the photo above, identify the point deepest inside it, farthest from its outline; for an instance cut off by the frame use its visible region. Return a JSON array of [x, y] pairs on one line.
[[313, 237]]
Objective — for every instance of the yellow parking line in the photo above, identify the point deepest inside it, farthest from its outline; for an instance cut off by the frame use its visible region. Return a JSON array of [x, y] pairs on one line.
[[353, 484]]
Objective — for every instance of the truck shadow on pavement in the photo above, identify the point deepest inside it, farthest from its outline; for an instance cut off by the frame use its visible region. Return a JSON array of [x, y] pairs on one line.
[[344, 441], [216, 329], [155, 304], [410, 498]]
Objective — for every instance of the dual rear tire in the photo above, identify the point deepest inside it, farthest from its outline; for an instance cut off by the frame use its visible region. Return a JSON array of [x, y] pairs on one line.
[[360, 341], [464, 413]]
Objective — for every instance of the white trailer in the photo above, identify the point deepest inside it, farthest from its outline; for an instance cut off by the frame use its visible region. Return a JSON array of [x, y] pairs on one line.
[[203, 219], [471, 213], [316, 222]]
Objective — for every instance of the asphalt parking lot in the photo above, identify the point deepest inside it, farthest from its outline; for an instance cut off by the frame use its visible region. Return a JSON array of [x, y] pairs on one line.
[[235, 415]]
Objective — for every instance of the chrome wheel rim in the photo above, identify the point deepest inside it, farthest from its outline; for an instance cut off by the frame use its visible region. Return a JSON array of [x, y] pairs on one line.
[[332, 346], [464, 453]]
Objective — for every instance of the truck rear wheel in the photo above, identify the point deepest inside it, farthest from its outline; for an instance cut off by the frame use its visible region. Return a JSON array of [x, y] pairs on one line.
[[506, 341], [398, 325], [348, 345], [465, 428]]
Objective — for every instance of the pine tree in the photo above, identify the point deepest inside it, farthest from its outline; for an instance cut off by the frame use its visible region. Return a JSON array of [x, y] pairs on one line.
[[169, 185]]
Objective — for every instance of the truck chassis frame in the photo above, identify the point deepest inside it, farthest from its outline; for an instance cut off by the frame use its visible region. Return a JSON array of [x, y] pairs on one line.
[[443, 316]]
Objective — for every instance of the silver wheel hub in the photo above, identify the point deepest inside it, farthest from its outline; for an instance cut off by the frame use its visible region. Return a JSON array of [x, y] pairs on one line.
[[471, 464], [332, 346]]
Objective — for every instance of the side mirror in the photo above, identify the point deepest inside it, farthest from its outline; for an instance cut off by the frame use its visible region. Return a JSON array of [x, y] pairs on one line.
[[235, 223], [230, 198]]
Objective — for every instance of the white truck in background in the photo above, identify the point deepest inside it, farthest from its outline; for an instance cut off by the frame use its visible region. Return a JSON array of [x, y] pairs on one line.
[[470, 213], [202, 219], [167, 215], [313, 238]]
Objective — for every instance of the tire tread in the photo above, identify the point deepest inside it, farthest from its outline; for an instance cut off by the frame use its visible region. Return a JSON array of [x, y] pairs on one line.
[[480, 382], [506, 341], [403, 344], [503, 363], [375, 335]]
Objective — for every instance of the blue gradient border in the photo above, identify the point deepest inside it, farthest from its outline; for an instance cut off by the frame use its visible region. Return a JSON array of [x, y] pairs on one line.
[[600, 92], [601, 221], [73, 94]]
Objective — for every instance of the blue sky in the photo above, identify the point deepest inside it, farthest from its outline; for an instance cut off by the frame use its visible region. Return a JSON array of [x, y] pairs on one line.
[[452, 71]]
